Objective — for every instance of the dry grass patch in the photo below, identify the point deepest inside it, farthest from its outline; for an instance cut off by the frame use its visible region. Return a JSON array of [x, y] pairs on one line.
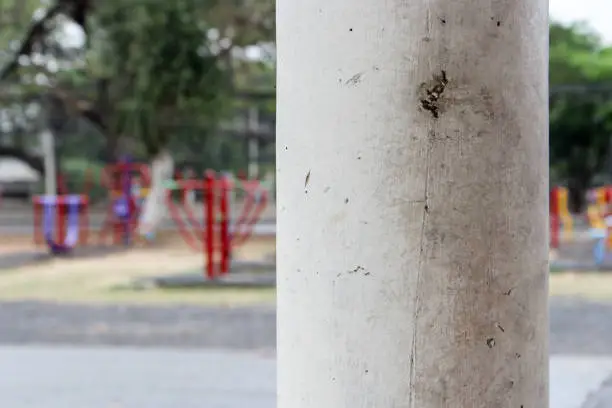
[[106, 279], [590, 285]]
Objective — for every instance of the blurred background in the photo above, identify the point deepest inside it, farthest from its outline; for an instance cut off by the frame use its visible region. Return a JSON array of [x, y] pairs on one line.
[[93, 314], [196, 77]]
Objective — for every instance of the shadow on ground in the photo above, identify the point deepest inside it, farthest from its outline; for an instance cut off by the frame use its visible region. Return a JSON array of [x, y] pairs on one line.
[[19, 259]]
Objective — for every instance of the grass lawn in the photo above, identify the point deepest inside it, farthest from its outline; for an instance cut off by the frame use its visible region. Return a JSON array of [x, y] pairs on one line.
[[107, 279], [225, 297], [589, 285], [88, 286], [91, 287], [85, 286]]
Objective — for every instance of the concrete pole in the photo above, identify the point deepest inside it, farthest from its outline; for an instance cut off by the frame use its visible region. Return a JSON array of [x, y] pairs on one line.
[[412, 192], [48, 148]]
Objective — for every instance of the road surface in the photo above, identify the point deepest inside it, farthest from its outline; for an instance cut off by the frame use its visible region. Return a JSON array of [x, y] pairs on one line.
[[61, 355], [44, 377], [57, 377]]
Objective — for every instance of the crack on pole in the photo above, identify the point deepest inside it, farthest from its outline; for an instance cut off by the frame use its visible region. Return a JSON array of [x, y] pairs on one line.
[[418, 283]]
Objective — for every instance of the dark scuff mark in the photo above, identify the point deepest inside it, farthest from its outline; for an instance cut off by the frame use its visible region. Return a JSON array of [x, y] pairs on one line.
[[356, 270], [430, 99], [355, 79]]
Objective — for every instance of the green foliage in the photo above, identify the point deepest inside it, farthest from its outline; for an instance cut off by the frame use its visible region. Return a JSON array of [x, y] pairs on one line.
[[82, 174], [15, 16], [580, 124], [151, 74], [164, 68]]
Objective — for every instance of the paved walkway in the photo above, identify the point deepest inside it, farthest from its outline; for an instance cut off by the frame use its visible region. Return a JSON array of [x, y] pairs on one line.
[[57, 377], [44, 377], [578, 381]]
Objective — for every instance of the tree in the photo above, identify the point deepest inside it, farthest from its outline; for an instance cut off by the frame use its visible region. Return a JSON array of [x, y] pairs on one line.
[[161, 32], [580, 123], [170, 70], [152, 68], [18, 114], [412, 187]]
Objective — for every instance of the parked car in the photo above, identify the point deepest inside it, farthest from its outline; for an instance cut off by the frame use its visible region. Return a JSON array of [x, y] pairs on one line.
[[17, 178]]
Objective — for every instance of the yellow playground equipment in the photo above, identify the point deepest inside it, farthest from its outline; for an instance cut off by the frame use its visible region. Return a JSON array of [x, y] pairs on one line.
[[567, 222], [595, 217], [141, 194]]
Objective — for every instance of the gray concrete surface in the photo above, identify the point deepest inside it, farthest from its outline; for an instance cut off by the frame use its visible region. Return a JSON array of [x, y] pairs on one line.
[[44, 377], [576, 379], [64, 351], [580, 327], [602, 398], [577, 327], [59, 377], [186, 327]]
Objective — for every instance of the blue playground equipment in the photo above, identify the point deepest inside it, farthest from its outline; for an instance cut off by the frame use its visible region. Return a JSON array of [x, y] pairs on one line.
[[66, 204]]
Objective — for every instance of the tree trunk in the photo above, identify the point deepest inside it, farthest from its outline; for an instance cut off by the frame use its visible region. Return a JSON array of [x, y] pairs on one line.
[[412, 191], [105, 110], [153, 212], [577, 188], [112, 147]]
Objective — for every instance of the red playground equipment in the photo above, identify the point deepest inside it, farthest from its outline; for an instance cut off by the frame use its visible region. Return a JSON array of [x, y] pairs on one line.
[[216, 235], [209, 227], [555, 220]]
